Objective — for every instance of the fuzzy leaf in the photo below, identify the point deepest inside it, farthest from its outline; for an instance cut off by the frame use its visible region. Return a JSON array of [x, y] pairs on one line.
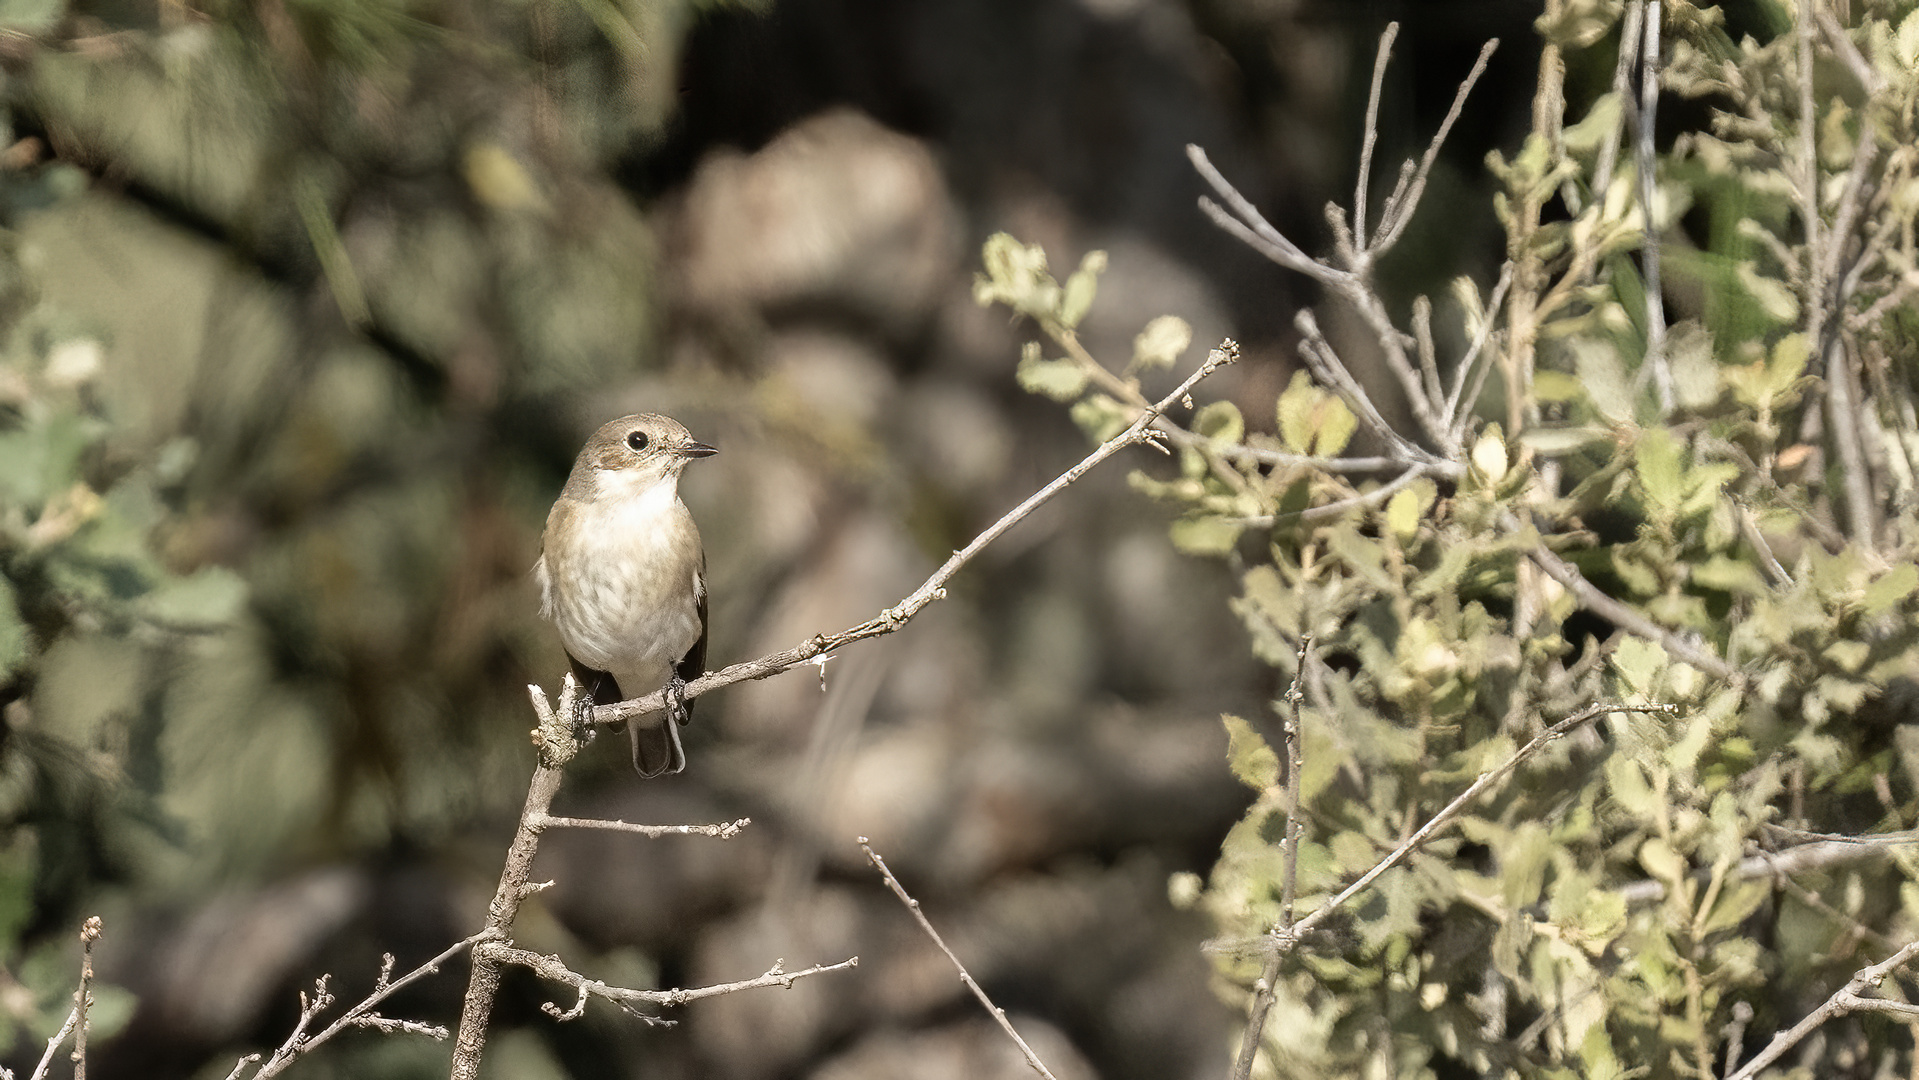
[[1220, 421], [1081, 286], [1162, 342], [1062, 380], [1252, 761], [1205, 535]]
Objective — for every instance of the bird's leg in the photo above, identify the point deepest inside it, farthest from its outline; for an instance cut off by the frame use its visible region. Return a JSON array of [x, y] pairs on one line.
[[675, 691], [583, 726]]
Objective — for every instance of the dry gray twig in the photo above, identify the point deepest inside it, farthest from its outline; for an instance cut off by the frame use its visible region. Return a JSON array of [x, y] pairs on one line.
[[1263, 994], [552, 967], [83, 997], [966, 977], [359, 1015], [1849, 998], [53, 1043], [723, 831]]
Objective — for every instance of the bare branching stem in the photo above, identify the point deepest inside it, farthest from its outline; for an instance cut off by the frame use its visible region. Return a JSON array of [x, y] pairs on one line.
[[1371, 136], [484, 983], [1847, 999], [966, 977], [1263, 996], [1295, 738], [553, 968]]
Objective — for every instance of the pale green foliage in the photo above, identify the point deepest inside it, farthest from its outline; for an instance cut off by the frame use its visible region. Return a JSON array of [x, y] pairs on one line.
[[1589, 918]]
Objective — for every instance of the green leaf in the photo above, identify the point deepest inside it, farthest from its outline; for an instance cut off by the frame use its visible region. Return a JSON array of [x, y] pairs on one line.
[[1252, 761], [1661, 473], [1589, 133], [1205, 535], [1891, 587], [1162, 342], [211, 597], [1081, 287], [1639, 663], [1016, 276], [1773, 296], [15, 642], [1553, 442], [1489, 456], [1407, 508], [1101, 417], [1604, 378], [1220, 421], [1695, 375], [1661, 861], [1062, 380], [1312, 420]]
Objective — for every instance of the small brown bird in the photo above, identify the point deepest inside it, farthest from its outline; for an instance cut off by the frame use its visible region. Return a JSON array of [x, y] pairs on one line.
[[623, 577]]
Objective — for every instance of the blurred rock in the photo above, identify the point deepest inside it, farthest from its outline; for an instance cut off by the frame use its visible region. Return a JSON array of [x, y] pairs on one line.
[[216, 973], [837, 209]]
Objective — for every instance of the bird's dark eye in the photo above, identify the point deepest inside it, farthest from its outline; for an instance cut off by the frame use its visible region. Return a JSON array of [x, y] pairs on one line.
[[636, 442]]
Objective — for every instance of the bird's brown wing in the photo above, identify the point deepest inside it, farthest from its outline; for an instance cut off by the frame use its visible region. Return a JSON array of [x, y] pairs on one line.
[[693, 664], [604, 688]]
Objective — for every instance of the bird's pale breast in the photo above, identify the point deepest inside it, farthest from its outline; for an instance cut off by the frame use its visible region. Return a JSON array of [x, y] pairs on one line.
[[622, 582]]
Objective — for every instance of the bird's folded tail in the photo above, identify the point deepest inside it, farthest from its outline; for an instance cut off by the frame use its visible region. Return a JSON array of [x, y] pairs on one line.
[[656, 746]]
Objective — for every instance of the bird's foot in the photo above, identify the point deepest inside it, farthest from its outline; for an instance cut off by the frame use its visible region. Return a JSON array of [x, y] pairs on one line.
[[583, 727], [675, 691]]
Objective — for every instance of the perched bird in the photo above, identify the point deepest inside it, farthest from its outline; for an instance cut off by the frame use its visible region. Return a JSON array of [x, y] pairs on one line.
[[623, 577]]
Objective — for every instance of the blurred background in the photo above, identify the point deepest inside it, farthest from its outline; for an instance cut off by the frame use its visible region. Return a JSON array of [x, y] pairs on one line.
[[305, 308]]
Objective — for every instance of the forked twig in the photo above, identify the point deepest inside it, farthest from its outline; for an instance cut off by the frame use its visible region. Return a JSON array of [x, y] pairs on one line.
[[1847, 999]]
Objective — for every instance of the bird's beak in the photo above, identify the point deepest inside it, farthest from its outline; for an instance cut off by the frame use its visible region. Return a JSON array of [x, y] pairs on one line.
[[697, 449]]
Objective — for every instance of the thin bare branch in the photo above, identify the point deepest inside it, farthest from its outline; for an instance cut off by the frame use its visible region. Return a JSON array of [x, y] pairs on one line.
[[1847, 999], [1319, 355], [1289, 854], [1400, 205], [1274, 247], [966, 977], [361, 1014], [551, 967], [1841, 43], [1371, 136], [1459, 403], [1818, 855], [1595, 600], [1337, 507], [1734, 1034], [1246, 222], [83, 997], [53, 1043], [1428, 356], [1647, 162], [1622, 90], [723, 831]]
